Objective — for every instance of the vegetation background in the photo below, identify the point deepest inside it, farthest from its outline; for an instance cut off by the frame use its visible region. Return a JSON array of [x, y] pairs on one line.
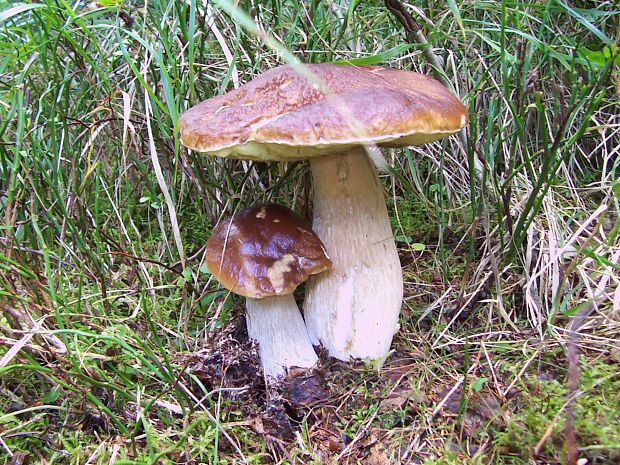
[[117, 347]]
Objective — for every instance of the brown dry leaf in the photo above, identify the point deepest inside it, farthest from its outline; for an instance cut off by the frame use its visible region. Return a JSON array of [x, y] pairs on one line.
[[258, 426], [402, 365], [19, 458], [396, 399], [377, 456]]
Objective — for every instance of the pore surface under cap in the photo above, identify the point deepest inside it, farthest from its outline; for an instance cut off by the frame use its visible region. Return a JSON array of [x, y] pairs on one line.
[[281, 115], [264, 251]]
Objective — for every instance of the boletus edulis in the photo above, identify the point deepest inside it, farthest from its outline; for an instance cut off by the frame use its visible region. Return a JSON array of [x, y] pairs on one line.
[[283, 115]]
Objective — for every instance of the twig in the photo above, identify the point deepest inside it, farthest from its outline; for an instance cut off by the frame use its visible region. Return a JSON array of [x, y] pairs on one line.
[[358, 436], [572, 353], [6, 447], [549, 431], [146, 260], [12, 352], [25, 324], [415, 34], [447, 396], [62, 262], [520, 374], [541, 442]]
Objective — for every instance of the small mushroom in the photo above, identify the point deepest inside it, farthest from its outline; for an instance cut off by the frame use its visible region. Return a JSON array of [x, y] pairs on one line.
[[264, 253], [281, 115]]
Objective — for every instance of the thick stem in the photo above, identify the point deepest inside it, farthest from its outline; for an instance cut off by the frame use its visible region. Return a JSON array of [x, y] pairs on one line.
[[353, 308], [283, 341]]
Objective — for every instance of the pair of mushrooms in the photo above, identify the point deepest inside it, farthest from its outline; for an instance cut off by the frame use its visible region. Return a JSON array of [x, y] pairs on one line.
[[352, 308]]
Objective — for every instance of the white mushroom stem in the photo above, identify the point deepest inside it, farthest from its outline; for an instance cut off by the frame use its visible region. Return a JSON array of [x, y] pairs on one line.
[[353, 308], [283, 341]]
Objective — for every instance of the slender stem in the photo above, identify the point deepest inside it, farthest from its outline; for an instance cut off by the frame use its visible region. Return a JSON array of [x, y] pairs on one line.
[[283, 341]]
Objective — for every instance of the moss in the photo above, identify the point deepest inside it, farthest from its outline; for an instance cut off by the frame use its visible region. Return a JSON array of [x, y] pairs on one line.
[[596, 417], [416, 224]]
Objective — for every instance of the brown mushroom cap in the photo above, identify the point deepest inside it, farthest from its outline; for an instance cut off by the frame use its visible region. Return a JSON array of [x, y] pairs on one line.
[[264, 251], [281, 115]]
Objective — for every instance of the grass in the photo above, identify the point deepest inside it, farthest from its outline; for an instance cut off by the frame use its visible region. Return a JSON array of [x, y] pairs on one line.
[[116, 346]]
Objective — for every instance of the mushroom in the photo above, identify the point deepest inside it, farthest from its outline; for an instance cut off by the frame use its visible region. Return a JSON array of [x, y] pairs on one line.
[[330, 119], [263, 253]]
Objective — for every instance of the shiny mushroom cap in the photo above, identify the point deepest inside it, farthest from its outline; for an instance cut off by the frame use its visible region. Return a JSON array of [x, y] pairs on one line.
[[281, 115], [264, 251]]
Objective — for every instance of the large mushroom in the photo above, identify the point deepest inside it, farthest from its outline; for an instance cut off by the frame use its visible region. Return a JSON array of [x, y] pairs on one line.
[[329, 119], [263, 253]]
